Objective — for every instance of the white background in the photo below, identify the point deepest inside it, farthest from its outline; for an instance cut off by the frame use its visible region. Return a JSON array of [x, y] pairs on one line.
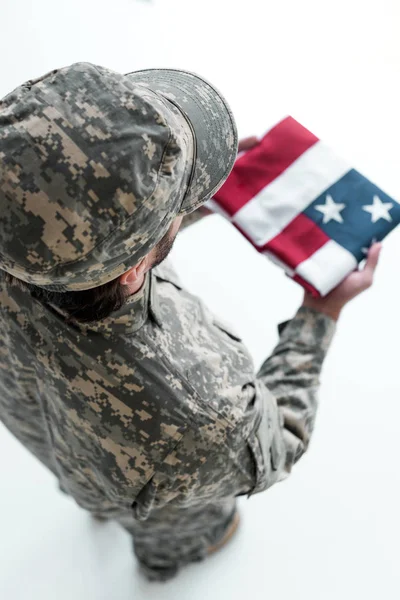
[[332, 530]]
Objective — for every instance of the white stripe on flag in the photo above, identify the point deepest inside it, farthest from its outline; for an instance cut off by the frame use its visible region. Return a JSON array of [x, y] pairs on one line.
[[327, 267], [270, 211]]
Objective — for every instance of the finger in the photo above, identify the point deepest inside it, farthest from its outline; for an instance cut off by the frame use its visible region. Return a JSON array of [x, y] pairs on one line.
[[373, 259], [248, 143], [367, 274]]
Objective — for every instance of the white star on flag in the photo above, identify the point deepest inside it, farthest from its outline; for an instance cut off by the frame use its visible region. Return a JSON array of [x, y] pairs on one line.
[[331, 210], [379, 210]]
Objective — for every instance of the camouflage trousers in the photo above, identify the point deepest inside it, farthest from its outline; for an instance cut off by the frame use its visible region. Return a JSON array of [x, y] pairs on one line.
[[172, 538]]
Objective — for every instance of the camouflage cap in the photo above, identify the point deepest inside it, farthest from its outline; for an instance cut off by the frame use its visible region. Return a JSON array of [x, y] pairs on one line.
[[94, 167]]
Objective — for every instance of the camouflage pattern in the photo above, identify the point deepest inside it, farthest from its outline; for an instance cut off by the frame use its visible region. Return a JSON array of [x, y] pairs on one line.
[[213, 126], [155, 416], [94, 167], [173, 537]]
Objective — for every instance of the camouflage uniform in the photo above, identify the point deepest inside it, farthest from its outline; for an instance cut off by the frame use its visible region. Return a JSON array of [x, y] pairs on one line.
[[153, 416]]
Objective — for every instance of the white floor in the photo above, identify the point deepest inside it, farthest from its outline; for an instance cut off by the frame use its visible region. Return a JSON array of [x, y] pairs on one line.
[[332, 530]]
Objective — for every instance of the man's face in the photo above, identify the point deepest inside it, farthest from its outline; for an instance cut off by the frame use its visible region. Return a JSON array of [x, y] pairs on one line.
[[164, 246]]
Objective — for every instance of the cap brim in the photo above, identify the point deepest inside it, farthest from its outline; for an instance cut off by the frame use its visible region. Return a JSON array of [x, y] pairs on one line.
[[212, 123]]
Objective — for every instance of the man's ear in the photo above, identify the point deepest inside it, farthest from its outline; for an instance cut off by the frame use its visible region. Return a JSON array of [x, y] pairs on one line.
[[131, 276]]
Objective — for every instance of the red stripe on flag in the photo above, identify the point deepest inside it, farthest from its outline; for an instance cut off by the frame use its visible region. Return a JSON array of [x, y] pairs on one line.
[[297, 242], [305, 284], [258, 167]]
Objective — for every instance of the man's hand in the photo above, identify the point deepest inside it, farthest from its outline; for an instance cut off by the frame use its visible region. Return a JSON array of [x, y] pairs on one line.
[[356, 283]]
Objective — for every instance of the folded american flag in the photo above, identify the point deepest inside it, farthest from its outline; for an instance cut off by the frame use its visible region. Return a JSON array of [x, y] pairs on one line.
[[304, 207]]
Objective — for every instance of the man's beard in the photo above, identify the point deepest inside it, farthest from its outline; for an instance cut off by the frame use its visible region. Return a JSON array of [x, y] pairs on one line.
[[163, 248]]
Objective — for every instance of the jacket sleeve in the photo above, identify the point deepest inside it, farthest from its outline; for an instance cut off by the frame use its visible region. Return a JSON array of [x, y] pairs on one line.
[[274, 412], [287, 385], [195, 216]]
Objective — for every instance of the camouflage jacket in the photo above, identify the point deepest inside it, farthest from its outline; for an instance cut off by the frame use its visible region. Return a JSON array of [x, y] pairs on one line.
[[158, 403]]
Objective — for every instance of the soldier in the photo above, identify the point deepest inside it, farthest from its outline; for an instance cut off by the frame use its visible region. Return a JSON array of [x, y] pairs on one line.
[[144, 406]]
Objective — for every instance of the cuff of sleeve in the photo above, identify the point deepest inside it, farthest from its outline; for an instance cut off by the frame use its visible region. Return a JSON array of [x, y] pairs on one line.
[[309, 328], [194, 216]]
